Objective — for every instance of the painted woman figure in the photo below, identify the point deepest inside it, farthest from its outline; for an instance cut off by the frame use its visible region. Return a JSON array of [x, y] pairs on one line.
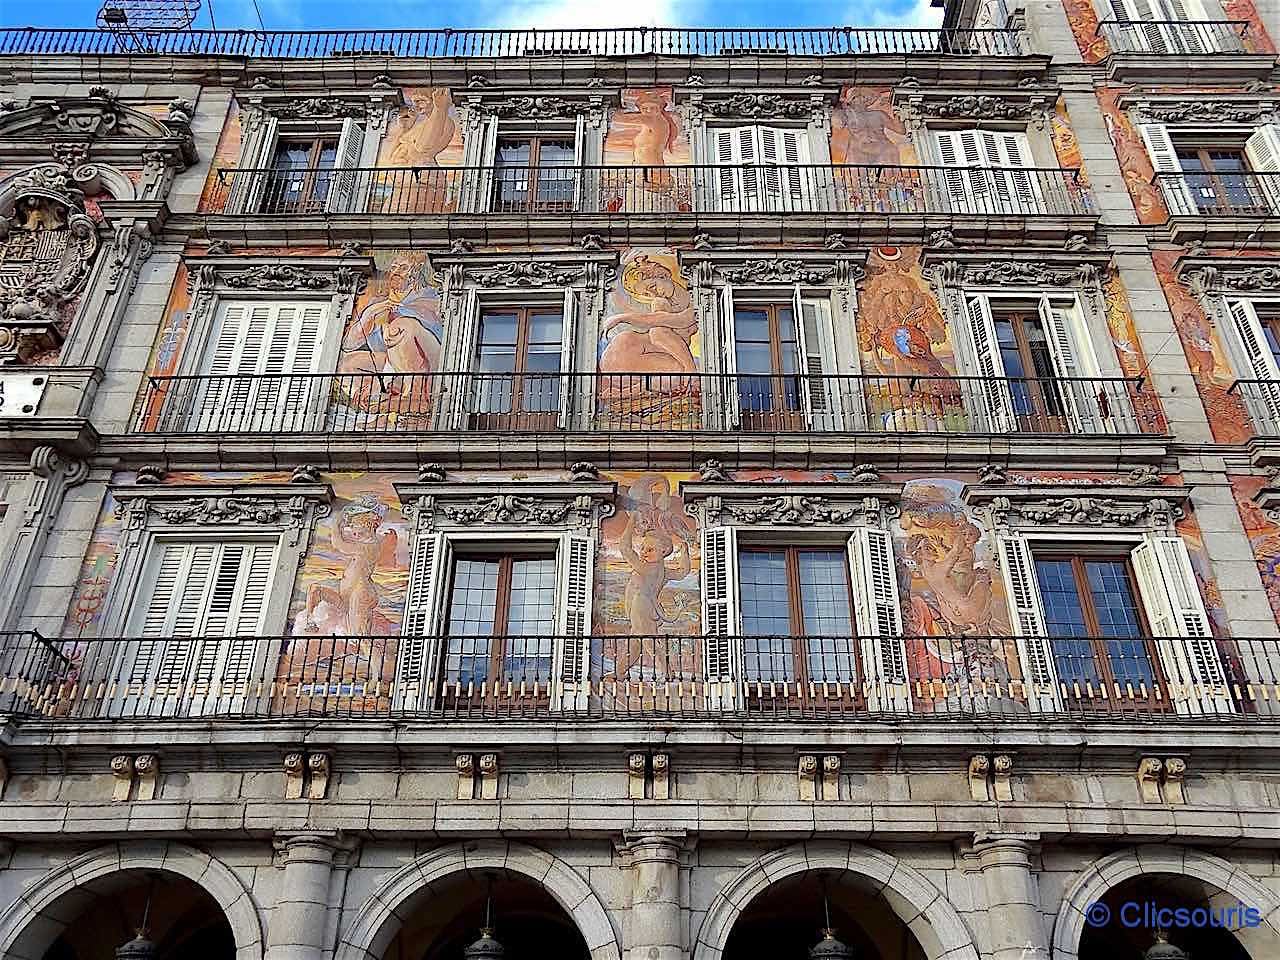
[[653, 336]]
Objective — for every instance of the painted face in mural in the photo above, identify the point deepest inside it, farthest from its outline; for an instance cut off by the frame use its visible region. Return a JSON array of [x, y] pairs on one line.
[[653, 336], [900, 323]]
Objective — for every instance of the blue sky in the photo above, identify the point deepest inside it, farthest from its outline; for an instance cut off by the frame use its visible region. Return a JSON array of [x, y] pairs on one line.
[[322, 14]]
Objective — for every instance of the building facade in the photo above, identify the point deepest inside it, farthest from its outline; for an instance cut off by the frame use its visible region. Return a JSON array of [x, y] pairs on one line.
[[646, 494]]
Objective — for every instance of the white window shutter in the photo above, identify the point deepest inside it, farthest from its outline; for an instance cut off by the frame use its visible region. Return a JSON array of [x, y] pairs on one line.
[[968, 180], [347, 182], [1265, 396], [152, 620], [1262, 150], [799, 185], [421, 628], [258, 151], [576, 576], [820, 390], [188, 616], [581, 201], [1027, 615], [769, 152], [1193, 670], [747, 140], [1186, 39], [728, 383], [568, 345], [479, 196], [1145, 30], [720, 615], [1164, 160], [1014, 151], [728, 155], [878, 613], [997, 398], [1073, 362], [468, 391]]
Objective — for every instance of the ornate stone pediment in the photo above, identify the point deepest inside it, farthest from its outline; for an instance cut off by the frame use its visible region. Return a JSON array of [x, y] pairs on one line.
[[291, 508], [503, 506], [593, 107], [47, 246], [810, 105], [1208, 275], [917, 105], [102, 125], [528, 273], [369, 105], [756, 504], [818, 270], [1101, 506], [337, 275], [1216, 110]]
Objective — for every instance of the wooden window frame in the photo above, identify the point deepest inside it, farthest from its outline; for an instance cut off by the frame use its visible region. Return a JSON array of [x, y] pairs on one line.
[[274, 202], [532, 203], [783, 415], [1042, 401], [1098, 642], [1201, 145], [516, 415]]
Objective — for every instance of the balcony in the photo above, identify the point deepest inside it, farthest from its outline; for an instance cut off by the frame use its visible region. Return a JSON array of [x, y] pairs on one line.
[[492, 44], [826, 678], [977, 200], [643, 403], [1214, 50], [1222, 208]]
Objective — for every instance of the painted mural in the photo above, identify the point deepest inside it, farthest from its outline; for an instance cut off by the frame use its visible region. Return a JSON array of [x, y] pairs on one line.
[[1256, 39], [1263, 534], [646, 132], [424, 136], [865, 129], [1083, 18], [226, 156]]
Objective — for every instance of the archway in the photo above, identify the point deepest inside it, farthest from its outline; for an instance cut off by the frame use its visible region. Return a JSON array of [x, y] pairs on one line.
[[413, 905], [107, 889], [864, 881], [1125, 883]]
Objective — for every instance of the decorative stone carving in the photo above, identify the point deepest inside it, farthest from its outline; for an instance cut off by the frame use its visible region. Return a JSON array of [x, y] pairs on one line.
[[318, 108], [583, 471], [431, 473], [565, 505], [979, 778], [759, 106], [147, 768], [713, 471], [1149, 769], [1093, 511], [661, 776], [318, 770], [754, 504], [830, 777], [807, 776], [1001, 774], [789, 271], [1175, 771], [942, 239], [791, 510], [305, 473], [865, 473], [981, 107], [528, 273], [990, 473], [461, 245], [702, 241], [46, 461], [466, 767], [1143, 476], [294, 768], [1204, 109], [488, 776], [291, 507], [122, 771], [47, 246], [834, 241], [507, 509], [284, 276], [1026, 273], [591, 241], [636, 764]]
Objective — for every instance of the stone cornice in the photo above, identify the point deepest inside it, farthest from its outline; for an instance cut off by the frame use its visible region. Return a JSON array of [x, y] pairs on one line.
[[757, 504], [1103, 506], [511, 505]]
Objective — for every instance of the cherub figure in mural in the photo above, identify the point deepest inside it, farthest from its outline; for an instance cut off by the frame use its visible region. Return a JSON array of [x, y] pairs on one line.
[[653, 134], [864, 129], [422, 131], [655, 531], [355, 536], [397, 333], [653, 335]]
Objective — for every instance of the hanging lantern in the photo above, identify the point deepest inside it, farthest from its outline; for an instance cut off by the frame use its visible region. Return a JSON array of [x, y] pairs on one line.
[[829, 948], [140, 948], [486, 948], [1162, 949]]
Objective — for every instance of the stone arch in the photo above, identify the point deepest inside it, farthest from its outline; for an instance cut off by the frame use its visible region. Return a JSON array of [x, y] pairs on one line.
[[30, 924], [377, 921], [92, 178], [1233, 884], [928, 914]]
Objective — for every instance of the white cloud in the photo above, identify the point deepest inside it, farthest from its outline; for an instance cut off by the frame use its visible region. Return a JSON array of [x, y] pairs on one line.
[[921, 13], [562, 14]]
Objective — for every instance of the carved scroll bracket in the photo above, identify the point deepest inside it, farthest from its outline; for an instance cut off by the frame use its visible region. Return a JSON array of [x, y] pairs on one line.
[[1096, 506], [790, 505], [502, 507]]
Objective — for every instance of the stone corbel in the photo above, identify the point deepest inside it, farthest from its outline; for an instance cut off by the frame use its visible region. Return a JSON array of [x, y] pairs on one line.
[[318, 769], [834, 505], [1268, 498], [122, 773], [511, 505], [1034, 505], [147, 768], [807, 776], [488, 776], [465, 764], [979, 777], [1149, 771]]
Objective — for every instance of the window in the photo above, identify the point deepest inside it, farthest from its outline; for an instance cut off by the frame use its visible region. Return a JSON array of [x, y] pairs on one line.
[[301, 172], [763, 169], [1208, 172], [795, 615], [1166, 26], [1091, 607], [193, 597], [781, 373], [501, 620], [258, 374], [1035, 362], [1256, 328], [517, 366], [989, 171], [534, 173]]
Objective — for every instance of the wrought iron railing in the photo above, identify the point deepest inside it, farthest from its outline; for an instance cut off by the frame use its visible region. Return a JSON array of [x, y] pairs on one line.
[[728, 188], [821, 677], [1174, 36], [354, 403], [613, 42], [1243, 194]]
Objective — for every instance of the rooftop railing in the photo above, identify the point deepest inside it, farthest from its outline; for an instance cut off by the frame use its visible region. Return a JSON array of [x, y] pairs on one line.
[[1245, 194], [614, 42], [1174, 37], [827, 677], [388, 403], [551, 190]]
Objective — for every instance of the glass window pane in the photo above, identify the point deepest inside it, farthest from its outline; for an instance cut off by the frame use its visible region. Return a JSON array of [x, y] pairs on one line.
[[1116, 608], [555, 152], [1065, 621], [513, 152], [531, 621], [472, 604], [498, 328], [766, 616], [824, 604]]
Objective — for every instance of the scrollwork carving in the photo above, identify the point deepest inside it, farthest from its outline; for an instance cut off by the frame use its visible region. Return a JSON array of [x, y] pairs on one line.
[[791, 510], [1085, 511], [528, 273], [759, 106], [777, 271]]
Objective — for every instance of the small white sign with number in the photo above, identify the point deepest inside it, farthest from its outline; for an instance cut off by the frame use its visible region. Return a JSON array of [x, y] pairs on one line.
[[20, 394]]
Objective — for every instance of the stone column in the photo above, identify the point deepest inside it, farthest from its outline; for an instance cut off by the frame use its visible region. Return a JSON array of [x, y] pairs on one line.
[[654, 931], [1013, 899], [299, 923]]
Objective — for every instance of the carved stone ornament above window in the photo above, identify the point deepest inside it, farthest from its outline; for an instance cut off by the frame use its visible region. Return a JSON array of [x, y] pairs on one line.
[[951, 271], [757, 504], [808, 104], [1207, 275], [916, 105], [1251, 110], [289, 508], [370, 105], [47, 246], [587, 271], [1101, 506], [230, 275], [508, 506], [817, 270], [103, 123], [593, 107]]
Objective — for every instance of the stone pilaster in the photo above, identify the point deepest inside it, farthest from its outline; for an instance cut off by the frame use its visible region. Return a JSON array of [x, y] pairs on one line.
[[654, 930], [299, 924], [1013, 900]]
